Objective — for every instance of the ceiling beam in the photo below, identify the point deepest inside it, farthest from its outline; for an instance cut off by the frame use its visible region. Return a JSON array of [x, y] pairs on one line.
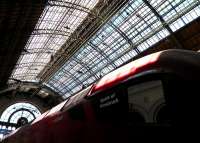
[[105, 10]]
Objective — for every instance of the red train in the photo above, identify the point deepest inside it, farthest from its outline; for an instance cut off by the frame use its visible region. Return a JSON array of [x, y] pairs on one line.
[[150, 96]]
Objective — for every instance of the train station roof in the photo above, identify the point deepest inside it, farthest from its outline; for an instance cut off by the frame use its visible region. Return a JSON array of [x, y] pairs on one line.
[[73, 43]]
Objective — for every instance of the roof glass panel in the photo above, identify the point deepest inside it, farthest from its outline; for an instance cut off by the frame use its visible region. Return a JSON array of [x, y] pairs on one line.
[[57, 22], [130, 31], [177, 13], [186, 18]]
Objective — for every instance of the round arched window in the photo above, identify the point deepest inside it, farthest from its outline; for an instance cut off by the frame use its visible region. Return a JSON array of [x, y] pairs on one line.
[[20, 113]]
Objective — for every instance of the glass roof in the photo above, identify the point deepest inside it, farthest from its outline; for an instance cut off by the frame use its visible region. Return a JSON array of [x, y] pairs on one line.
[[130, 31], [58, 21]]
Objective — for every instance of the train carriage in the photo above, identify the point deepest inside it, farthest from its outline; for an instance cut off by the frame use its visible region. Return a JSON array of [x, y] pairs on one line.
[[145, 97]]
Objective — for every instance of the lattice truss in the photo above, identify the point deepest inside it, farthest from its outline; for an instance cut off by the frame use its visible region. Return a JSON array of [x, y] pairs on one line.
[[137, 26], [58, 21]]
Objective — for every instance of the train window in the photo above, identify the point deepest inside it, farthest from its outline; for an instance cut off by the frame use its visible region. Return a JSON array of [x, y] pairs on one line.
[[136, 117], [142, 97], [162, 114]]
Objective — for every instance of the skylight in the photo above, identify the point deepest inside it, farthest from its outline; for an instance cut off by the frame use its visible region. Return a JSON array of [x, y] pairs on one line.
[[132, 30], [129, 32], [58, 21]]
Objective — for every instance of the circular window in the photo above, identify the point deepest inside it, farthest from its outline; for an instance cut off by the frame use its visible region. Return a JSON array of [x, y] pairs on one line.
[[20, 113]]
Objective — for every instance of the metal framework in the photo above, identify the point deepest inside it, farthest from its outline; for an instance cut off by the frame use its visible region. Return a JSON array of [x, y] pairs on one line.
[[111, 33], [69, 5], [58, 21]]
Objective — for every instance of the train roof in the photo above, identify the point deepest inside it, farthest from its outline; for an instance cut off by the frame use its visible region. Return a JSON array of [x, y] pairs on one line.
[[183, 62]]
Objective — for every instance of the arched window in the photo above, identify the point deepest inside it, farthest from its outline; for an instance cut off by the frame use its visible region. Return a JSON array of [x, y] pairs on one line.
[[20, 113], [17, 115]]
